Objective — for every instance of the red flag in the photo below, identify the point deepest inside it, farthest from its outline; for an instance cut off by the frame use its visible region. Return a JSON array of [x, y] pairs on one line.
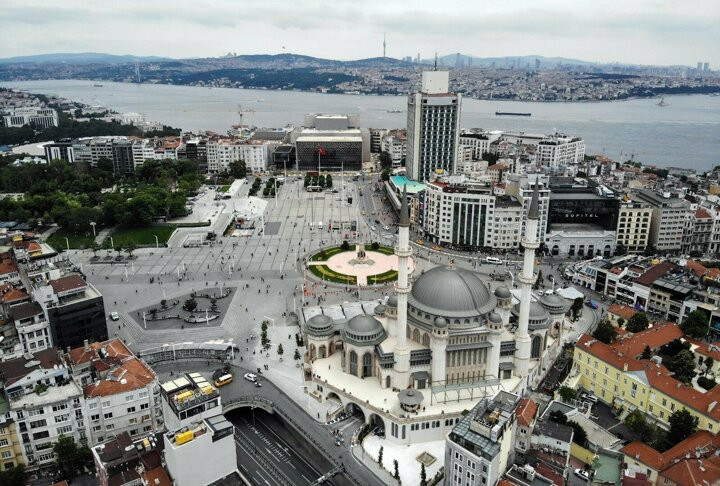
[[321, 150]]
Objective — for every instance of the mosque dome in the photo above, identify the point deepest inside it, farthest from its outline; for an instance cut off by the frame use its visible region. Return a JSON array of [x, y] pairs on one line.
[[440, 322], [503, 292], [495, 318], [451, 292], [320, 324], [392, 301]]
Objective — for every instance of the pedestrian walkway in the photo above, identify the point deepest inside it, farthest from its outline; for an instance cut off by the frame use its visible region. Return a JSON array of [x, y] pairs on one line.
[[45, 234], [104, 233]]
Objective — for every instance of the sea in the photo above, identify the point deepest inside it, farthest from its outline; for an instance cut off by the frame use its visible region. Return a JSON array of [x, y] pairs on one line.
[[684, 133]]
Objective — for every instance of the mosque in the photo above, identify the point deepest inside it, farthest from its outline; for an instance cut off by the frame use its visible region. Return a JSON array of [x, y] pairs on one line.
[[412, 364]]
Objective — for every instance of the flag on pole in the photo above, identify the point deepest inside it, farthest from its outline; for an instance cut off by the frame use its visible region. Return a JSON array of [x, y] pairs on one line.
[[321, 150]]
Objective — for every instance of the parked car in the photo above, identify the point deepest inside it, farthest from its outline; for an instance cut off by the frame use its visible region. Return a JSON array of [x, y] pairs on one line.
[[581, 473], [114, 316], [592, 304], [493, 260]]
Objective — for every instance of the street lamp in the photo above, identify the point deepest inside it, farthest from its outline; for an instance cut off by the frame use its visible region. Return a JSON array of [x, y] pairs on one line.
[[67, 243], [157, 243], [93, 223], [112, 242]]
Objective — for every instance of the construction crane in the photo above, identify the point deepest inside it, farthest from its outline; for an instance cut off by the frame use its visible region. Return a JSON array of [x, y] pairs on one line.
[[242, 110]]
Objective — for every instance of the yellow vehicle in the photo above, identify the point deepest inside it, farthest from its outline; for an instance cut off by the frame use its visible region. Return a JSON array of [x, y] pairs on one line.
[[420, 242], [437, 248], [223, 380]]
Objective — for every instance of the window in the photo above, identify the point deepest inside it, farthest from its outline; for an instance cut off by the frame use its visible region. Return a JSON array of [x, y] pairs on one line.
[[92, 405], [109, 427], [144, 406], [97, 428], [62, 418], [106, 403], [57, 408], [38, 423], [108, 415], [65, 429], [7, 455], [129, 398], [131, 409], [3, 442]]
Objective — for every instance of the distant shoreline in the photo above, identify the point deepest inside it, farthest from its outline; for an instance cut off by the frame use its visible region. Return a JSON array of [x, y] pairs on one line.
[[344, 93]]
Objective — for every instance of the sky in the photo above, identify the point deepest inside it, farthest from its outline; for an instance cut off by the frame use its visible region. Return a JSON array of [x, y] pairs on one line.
[[659, 32]]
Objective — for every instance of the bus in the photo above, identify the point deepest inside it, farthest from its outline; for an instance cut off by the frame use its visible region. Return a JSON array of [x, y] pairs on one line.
[[223, 380]]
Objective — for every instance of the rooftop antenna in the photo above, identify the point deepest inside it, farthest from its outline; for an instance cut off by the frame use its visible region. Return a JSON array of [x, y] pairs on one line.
[[435, 68], [384, 45]]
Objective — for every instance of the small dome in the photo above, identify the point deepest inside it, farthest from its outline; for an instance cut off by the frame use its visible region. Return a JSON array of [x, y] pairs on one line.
[[392, 301], [495, 318], [503, 292], [440, 322], [364, 324], [537, 312], [379, 310], [554, 303], [320, 322]]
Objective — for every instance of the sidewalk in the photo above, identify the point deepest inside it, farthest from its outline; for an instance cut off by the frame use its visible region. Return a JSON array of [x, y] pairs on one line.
[[104, 233]]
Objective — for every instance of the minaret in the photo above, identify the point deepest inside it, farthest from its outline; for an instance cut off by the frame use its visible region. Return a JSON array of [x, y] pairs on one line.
[[401, 370], [527, 279]]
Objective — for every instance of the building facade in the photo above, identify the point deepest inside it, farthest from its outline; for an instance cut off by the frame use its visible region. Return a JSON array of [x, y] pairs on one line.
[[433, 127], [633, 227]]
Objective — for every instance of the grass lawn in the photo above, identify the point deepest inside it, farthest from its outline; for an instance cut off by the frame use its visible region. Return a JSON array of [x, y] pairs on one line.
[[327, 253], [77, 241], [224, 188], [387, 250], [325, 273], [123, 237], [389, 276]]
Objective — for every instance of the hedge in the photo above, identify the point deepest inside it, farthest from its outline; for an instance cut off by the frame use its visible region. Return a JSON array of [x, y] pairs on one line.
[[325, 273]]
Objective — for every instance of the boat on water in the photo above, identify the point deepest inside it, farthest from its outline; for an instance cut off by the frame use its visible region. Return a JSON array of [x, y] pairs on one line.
[[512, 113], [394, 111], [662, 102], [98, 85]]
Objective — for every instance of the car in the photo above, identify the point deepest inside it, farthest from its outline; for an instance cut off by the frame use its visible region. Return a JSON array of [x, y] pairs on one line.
[[437, 248], [581, 473], [377, 221], [386, 227], [420, 242], [114, 316], [250, 377], [493, 260], [258, 384], [362, 213], [592, 304], [549, 292], [373, 228]]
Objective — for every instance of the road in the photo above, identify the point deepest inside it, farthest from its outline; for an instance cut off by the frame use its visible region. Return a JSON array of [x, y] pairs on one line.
[[283, 446]]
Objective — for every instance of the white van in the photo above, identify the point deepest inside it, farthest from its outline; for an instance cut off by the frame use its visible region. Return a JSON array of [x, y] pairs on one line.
[[493, 260]]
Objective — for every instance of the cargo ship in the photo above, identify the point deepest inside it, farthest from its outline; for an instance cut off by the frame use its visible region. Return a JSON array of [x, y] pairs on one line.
[[511, 113]]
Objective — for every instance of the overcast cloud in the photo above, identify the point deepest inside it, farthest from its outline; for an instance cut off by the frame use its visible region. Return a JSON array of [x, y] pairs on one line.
[[633, 31]]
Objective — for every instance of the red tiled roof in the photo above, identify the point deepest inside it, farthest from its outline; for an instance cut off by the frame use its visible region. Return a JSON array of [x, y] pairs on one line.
[[7, 266], [696, 267], [655, 272], [13, 295], [690, 472], [33, 246], [498, 166], [624, 311], [701, 213], [69, 282], [526, 411], [704, 348], [114, 348], [700, 440]]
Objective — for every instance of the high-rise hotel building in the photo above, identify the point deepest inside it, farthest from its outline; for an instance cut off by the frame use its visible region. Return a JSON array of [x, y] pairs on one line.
[[433, 127]]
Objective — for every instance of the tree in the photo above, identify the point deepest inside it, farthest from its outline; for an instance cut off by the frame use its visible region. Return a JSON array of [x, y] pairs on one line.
[[280, 350], [380, 455], [637, 423], [696, 324], [538, 280], [605, 332], [297, 356], [385, 175], [709, 362], [579, 436], [683, 365], [71, 459], [396, 473], [423, 475], [576, 306], [647, 353], [190, 305], [567, 393], [638, 322], [682, 425], [345, 245], [321, 181], [385, 160], [620, 249], [620, 322], [558, 417], [14, 476], [328, 181], [238, 169]]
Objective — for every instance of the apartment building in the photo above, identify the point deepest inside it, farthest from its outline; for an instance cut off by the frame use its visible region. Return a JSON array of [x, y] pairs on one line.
[[479, 141], [45, 404], [459, 212], [507, 230], [221, 153], [74, 308], [479, 448], [559, 151], [11, 449], [521, 186], [699, 231], [32, 326], [617, 375], [120, 391], [633, 227], [667, 224], [122, 461]]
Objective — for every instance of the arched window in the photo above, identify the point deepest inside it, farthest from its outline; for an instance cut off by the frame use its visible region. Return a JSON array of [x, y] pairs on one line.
[[366, 365], [416, 336], [312, 351], [321, 352], [426, 340], [536, 347], [387, 381], [353, 363]]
